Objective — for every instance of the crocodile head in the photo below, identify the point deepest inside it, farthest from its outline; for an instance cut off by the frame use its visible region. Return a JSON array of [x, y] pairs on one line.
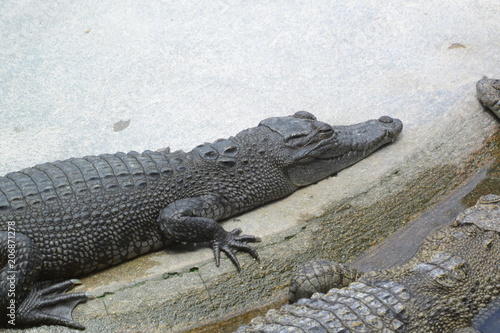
[[488, 92], [313, 150]]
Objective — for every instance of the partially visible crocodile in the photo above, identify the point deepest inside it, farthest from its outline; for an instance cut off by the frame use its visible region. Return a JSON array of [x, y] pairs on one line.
[[488, 92], [68, 218], [454, 275]]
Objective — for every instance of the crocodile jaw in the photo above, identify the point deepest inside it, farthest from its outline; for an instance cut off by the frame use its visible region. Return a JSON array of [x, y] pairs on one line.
[[349, 145]]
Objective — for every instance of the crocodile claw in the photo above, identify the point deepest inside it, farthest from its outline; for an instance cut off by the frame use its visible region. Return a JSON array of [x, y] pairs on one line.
[[51, 305], [231, 241]]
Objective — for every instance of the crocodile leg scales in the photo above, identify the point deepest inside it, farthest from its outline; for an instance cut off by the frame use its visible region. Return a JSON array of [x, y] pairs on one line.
[[319, 276], [25, 302], [194, 220]]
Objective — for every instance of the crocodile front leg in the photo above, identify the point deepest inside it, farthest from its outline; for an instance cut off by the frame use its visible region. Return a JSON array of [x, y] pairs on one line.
[[25, 302], [194, 220], [319, 276]]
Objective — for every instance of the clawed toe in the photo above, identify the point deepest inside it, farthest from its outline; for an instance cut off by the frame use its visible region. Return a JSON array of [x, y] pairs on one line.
[[52, 305], [59, 288], [231, 242]]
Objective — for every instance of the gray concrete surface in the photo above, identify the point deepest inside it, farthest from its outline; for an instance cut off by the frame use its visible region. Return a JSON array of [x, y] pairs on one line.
[[79, 78]]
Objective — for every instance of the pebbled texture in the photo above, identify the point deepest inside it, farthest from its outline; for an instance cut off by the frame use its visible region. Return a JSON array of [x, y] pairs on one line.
[[454, 276]]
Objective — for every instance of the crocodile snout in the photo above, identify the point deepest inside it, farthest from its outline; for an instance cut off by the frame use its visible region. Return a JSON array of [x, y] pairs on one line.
[[393, 126]]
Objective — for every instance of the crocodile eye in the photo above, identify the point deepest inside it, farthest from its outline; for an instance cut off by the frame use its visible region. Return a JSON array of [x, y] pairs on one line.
[[325, 131], [446, 281], [325, 134]]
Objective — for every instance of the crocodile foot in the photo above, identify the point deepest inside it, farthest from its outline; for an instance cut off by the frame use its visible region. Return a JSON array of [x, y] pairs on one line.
[[50, 305], [227, 242]]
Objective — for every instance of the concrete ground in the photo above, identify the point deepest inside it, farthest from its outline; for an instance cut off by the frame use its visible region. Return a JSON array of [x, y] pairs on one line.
[[80, 78]]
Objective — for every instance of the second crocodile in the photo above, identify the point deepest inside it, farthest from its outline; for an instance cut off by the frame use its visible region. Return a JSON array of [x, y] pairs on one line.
[[454, 275]]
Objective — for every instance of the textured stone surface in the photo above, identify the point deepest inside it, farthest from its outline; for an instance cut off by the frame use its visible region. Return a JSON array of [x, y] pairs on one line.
[[100, 77]]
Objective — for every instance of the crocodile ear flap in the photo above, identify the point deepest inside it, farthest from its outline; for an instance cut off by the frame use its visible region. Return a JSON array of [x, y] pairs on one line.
[[304, 115]]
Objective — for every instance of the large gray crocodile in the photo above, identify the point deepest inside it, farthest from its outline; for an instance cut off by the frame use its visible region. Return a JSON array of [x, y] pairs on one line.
[[68, 218], [454, 275], [488, 92]]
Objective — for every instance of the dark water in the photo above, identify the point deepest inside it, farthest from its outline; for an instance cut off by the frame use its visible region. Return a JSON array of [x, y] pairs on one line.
[[492, 322]]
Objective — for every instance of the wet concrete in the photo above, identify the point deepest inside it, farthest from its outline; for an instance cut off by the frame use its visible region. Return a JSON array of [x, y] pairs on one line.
[[100, 77]]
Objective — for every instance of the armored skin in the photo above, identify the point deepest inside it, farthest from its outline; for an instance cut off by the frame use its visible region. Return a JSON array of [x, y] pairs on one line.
[[68, 218], [454, 275], [488, 92]]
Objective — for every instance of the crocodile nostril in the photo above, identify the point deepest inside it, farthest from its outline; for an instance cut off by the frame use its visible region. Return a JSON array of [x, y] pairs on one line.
[[385, 119]]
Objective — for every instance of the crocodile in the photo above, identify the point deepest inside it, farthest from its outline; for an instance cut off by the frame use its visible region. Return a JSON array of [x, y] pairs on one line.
[[454, 275], [69, 218], [488, 92]]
